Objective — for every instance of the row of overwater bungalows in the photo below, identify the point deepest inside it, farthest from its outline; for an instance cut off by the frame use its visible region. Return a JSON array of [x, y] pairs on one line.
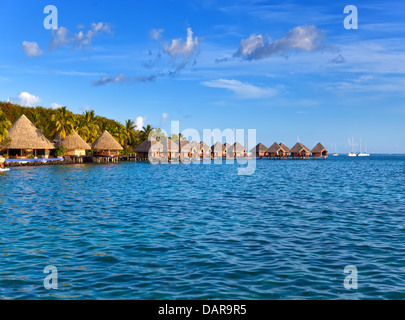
[[26, 141], [185, 150]]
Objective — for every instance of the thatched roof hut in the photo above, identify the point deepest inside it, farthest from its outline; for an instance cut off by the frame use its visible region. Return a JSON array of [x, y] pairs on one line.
[[300, 151], [189, 150], [286, 149], [24, 135], [106, 142], [204, 150], [217, 149], [72, 142], [148, 148], [204, 147], [74, 145], [278, 150], [170, 149], [183, 144], [274, 150], [319, 151], [236, 150], [169, 145], [259, 151]]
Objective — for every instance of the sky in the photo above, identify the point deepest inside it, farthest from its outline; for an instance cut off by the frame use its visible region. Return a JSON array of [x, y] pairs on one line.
[[288, 69]]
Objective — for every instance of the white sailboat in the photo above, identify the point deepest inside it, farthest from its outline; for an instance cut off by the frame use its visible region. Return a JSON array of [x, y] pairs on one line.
[[335, 154], [352, 154], [363, 154]]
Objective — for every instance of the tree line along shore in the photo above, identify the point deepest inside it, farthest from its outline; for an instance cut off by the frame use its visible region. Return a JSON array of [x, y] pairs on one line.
[[64, 137]]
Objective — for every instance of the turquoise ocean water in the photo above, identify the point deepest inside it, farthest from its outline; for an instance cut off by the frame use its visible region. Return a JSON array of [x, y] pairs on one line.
[[142, 231]]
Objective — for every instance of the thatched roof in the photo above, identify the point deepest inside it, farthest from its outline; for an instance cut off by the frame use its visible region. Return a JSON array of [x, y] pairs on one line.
[[24, 135], [236, 147], [299, 147], [183, 143], [260, 147], [285, 148], [147, 145], [275, 148], [169, 145], [204, 147], [226, 146], [72, 142], [106, 142], [319, 148], [191, 147], [218, 147]]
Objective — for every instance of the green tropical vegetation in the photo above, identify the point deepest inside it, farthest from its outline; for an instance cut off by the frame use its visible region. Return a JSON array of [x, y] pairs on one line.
[[61, 121]]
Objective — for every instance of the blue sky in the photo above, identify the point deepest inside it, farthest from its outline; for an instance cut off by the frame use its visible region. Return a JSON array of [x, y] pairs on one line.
[[286, 69]]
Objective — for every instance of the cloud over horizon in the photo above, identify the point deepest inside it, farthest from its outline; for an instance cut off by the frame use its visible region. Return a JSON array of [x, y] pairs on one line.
[[25, 99]]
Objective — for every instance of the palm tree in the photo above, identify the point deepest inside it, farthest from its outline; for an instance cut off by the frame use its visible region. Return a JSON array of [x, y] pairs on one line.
[[119, 133], [158, 134], [90, 122], [4, 125], [61, 123], [81, 128], [147, 130], [130, 131]]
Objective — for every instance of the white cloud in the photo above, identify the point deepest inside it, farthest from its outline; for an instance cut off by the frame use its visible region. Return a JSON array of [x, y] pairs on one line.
[[25, 99], [301, 38], [31, 49], [165, 117], [186, 49], [54, 105], [105, 80], [155, 34], [243, 90], [95, 28], [61, 37], [139, 122]]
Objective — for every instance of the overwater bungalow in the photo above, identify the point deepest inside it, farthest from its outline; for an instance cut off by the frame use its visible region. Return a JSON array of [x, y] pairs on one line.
[[226, 146], [189, 150], [75, 146], [287, 150], [217, 150], [106, 148], [319, 151], [27, 141], [259, 151], [170, 150], [195, 150], [148, 149], [236, 150], [278, 151], [299, 151], [205, 150]]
